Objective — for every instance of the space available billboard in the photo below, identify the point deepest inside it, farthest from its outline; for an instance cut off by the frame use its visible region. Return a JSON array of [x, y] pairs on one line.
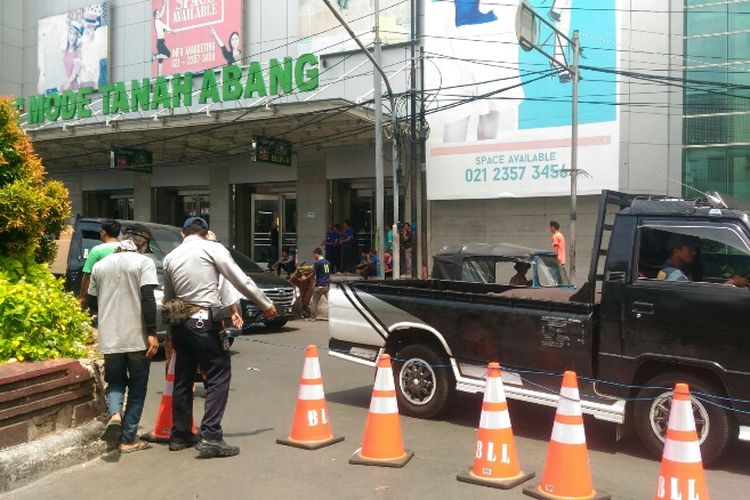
[[320, 32], [500, 116], [73, 49], [193, 35]]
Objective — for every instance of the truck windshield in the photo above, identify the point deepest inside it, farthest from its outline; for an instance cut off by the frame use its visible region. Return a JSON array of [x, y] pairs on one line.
[[550, 272]]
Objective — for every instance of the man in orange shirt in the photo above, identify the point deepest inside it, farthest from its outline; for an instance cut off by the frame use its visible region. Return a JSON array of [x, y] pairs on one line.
[[558, 241]]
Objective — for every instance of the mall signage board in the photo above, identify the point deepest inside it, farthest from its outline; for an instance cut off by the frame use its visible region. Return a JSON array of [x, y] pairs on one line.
[[73, 49], [229, 83], [272, 150], [139, 160], [194, 35], [500, 117]]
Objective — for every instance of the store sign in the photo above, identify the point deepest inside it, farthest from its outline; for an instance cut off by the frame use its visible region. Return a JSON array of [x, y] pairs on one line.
[[193, 35], [500, 126], [272, 150], [230, 84], [139, 160]]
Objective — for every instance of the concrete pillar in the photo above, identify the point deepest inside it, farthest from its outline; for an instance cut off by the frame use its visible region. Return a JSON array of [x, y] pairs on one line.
[[221, 201], [142, 198], [312, 204]]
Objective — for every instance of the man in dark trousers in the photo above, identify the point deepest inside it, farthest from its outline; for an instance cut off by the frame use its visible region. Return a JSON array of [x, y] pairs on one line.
[[346, 242], [191, 274]]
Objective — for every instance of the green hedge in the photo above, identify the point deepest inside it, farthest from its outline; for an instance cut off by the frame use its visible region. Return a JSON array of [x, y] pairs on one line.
[[38, 319]]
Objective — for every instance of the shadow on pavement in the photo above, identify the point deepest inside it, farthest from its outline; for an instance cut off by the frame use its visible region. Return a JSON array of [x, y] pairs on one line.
[[245, 434], [359, 396]]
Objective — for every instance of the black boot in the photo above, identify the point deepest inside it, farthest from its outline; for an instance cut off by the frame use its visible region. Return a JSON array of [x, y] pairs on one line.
[[210, 448], [178, 444]]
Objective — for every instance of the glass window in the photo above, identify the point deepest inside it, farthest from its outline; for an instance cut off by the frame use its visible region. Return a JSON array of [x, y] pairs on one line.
[[739, 171], [693, 253], [739, 16], [707, 49], [708, 19], [550, 272], [705, 169]]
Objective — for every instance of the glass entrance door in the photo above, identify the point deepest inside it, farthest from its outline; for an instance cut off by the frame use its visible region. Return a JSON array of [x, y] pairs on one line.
[[274, 223]]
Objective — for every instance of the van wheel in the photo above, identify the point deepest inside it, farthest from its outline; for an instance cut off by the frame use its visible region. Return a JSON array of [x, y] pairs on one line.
[[716, 428], [424, 381]]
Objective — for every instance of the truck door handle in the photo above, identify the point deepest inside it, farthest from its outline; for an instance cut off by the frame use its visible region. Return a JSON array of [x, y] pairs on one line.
[[640, 308]]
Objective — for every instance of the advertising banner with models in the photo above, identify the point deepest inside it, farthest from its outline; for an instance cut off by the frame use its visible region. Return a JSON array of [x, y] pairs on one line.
[[500, 116], [73, 49], [192, 35]]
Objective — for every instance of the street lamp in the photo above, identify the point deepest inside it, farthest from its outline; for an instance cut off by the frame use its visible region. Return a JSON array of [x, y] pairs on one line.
[[379, 182], [529, 27]]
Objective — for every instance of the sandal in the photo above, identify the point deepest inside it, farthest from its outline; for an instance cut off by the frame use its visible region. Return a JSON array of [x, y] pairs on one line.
[[142, 445], [111, 434]]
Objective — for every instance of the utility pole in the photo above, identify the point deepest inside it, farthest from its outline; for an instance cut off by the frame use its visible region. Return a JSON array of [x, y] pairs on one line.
[[379, 176], [380, 194], [536, 33]]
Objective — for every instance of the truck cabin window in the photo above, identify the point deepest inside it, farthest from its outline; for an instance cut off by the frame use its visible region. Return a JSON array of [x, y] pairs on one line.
[[714, 253]]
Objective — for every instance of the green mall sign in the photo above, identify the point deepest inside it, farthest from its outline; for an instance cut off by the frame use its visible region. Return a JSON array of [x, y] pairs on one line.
[[177, 90]]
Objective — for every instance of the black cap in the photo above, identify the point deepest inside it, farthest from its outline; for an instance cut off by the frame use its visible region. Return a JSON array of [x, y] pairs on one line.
[[138, 230], [190, 221]]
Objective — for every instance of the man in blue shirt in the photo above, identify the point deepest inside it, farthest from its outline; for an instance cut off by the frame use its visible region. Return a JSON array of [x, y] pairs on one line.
[[347, 248], [322, 282]]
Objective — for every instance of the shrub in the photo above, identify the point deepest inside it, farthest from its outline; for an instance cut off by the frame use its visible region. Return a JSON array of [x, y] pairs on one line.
[[38, 319]]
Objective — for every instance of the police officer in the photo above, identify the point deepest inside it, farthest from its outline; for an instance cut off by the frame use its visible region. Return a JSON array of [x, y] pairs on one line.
[[191, 274]]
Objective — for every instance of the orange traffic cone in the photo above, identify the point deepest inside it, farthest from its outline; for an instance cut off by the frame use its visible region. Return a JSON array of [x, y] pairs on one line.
[[311, 428], [495, 461], [567, 473], [163, 426], [383, 444], [681, 474]]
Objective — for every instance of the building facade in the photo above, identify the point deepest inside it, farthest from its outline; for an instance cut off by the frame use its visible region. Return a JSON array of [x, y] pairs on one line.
[[662, 111]]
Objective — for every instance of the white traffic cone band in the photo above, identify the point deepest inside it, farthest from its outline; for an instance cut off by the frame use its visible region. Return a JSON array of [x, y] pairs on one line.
[[383, 402], [681, 415], [311, 368], [685, 452], [569, 402], [311, 392], [494, 419], [494, 391], [384, 380], [568, 433]]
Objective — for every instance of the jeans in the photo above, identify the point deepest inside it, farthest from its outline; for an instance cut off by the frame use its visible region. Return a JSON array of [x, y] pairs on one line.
[[197, 343], [127, 370]]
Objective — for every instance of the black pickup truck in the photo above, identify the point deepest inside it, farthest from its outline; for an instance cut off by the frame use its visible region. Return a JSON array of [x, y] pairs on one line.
[[76, 241], [629, 333]]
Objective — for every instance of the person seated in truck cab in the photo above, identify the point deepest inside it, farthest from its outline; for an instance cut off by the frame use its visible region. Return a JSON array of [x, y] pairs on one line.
[[682, 251], [519, 279]]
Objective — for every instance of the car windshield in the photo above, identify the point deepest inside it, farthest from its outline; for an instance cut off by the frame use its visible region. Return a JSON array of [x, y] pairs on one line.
[[245, 262], [550, 272], [165, 239]]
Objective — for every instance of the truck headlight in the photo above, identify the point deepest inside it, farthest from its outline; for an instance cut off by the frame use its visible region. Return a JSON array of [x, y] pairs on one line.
[[297, 294]]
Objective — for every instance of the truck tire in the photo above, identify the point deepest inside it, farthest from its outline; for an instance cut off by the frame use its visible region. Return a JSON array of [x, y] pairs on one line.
[[275, 323], [716, 427], [424, 381]]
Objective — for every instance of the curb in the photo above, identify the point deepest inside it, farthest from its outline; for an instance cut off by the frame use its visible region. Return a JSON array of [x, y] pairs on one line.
[[23, 464]]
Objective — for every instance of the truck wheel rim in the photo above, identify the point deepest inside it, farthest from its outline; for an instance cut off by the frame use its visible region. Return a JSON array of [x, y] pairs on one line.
[[417, 381], [659, 416]]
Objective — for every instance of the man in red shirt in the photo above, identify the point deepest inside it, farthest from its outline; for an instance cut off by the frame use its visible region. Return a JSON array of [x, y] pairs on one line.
[[558, 241]]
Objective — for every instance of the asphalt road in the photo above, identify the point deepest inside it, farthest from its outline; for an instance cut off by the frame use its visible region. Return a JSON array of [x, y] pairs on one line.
[[266, 371]]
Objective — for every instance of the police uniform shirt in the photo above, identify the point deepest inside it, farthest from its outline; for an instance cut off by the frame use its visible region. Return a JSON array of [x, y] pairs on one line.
[[191, 274]]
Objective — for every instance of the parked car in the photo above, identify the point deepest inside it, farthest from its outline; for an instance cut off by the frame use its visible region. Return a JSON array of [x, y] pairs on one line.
[[76, 241], [630, 332], [496, 263]]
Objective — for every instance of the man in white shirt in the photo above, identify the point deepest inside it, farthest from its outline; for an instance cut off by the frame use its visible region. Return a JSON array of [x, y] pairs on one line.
[[162, 51], [121, 292], [191, 274]]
